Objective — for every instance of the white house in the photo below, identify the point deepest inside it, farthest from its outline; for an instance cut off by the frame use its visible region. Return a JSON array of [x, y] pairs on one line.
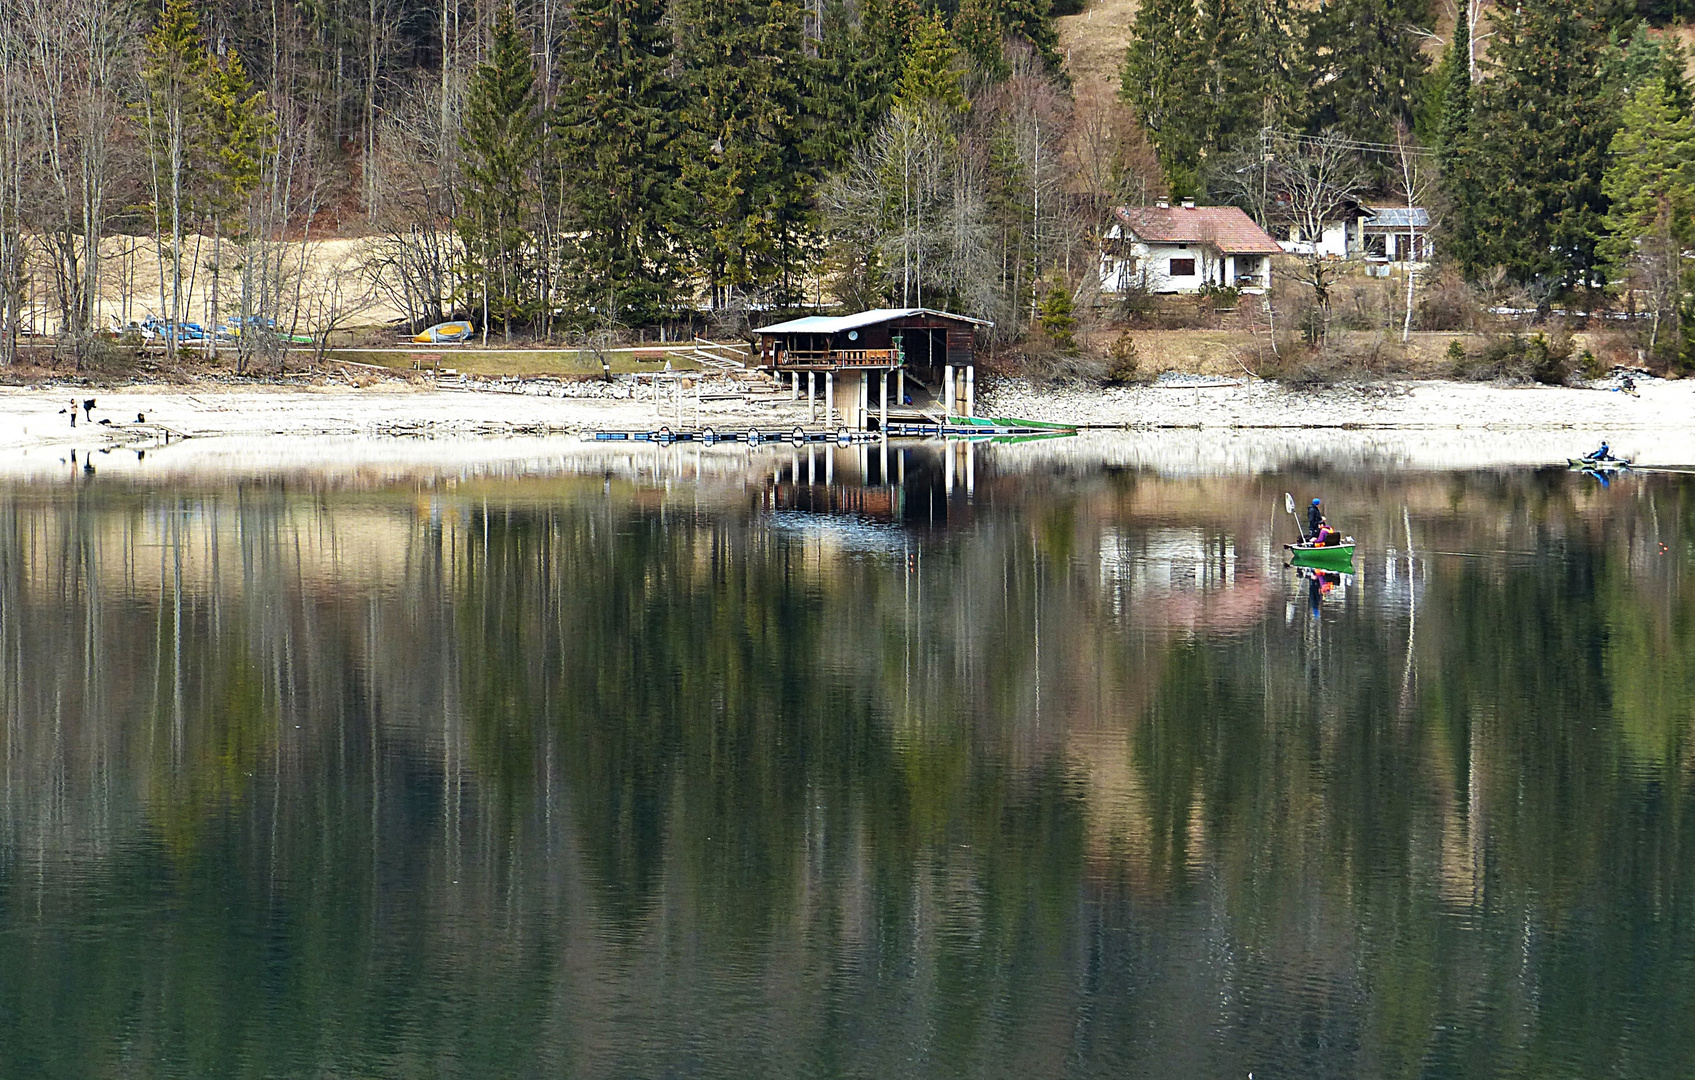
[[1377, 234], [1184, 249]]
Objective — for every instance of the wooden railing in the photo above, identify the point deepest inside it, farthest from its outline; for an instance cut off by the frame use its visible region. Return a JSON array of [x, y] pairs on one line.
[[838, 358]]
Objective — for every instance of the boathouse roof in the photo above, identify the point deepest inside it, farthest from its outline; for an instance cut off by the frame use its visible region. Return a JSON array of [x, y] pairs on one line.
[[835, 324]]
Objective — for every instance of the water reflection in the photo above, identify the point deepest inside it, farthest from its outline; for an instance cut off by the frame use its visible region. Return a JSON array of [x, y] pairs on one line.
[[793, 764]]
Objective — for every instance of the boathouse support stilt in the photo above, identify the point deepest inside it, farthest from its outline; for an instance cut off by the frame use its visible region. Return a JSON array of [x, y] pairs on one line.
[[829, 398], [812, 397], [900, 388], [970, 389], [794, 386], [947, 389], [861, 417], [883, 411]]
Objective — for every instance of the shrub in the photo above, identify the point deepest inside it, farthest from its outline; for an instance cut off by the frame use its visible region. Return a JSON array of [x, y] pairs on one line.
[[1058, 317], [1124, 362], [1543, 357]]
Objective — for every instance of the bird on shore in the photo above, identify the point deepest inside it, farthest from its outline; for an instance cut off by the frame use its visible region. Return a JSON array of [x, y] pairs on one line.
[[141, 418], [87, 408]]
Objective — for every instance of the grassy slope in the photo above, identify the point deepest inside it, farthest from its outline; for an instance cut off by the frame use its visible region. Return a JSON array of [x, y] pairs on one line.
[[1093, 45], [1094, 48]]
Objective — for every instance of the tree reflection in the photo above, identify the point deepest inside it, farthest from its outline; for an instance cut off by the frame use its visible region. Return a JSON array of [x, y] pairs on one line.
[[596, 776]]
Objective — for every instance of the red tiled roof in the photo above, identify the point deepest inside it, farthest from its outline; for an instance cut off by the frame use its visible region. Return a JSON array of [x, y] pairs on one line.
[[1225, 227]]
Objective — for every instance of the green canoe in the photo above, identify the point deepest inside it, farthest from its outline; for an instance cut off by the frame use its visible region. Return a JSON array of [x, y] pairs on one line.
[[1603, 465], [1333, 557]]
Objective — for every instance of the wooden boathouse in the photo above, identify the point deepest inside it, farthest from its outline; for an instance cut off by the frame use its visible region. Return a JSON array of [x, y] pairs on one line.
[[839, 355]]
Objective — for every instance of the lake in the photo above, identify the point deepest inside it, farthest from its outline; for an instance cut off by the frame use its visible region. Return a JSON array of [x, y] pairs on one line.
[[1008, 761]]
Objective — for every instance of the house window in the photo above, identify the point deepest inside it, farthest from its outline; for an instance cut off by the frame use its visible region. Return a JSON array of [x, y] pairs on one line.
[[1182, 268]]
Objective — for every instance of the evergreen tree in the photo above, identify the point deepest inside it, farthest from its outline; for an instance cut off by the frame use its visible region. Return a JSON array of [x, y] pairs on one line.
[[745, 180], [1453, 146], [1031, 21], [1650, 183], [239, 129], [1368, 69], [1538, 143], [1163, 81], [885, 31], [500, 145], [1057, 315], [617, 132], [174, 74], [1251, 76], [930, 79], [1649, 57], [978, 33]]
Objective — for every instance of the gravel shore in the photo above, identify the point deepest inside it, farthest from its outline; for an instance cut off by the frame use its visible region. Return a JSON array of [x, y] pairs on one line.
[[1520, 423], [1432, 404]]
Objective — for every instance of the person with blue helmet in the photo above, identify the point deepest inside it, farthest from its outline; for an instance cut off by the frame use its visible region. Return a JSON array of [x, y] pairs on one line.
[[1315, 517]]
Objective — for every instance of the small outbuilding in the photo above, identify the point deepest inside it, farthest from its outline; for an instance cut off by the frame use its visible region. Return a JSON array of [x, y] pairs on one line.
[[1185, 249], [839, 355], [1396, 234]]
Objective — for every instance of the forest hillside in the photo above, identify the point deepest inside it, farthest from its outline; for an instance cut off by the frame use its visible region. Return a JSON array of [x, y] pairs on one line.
[[554, 169]]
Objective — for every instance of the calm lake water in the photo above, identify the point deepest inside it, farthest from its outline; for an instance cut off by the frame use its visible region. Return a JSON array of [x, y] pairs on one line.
[[804, 765]]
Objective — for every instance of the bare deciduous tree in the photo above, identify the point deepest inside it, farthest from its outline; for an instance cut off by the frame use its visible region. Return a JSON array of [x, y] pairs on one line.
[[1312, 180]]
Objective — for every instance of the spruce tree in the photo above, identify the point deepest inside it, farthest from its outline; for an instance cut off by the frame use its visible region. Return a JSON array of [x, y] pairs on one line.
[[1453, 150], [616, 133], [1163, 80], [238, 129], [885, 31], [978, 33], [746, 183], [1058, 316], [930, 79], [1252, 75], [1368, 69], [499, 146], [174, 74], [1538, 145], [1031, 21], [1651, 184], [1660, 58]]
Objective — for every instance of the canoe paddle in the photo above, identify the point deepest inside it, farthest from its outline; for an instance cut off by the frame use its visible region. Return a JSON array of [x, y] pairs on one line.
[[1289, 505]]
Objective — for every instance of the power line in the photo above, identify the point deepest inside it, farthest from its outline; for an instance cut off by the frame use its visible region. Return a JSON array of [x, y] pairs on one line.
[[1267, 134]]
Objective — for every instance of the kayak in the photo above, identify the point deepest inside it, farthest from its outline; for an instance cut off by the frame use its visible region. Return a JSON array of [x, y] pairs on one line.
[[1330, 557], [446, 333], [1592, 465]]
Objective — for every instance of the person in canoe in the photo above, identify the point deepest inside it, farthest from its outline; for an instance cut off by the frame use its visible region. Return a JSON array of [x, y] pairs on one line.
[[1315, 518], [1326, 536], [1605, 453]]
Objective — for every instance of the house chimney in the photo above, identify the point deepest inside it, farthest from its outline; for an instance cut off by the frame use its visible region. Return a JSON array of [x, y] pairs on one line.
[[1188, 204], [1163, 203]]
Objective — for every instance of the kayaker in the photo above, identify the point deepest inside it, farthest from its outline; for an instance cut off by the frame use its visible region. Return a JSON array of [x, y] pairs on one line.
[[1605, 453], [1315, 517]]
